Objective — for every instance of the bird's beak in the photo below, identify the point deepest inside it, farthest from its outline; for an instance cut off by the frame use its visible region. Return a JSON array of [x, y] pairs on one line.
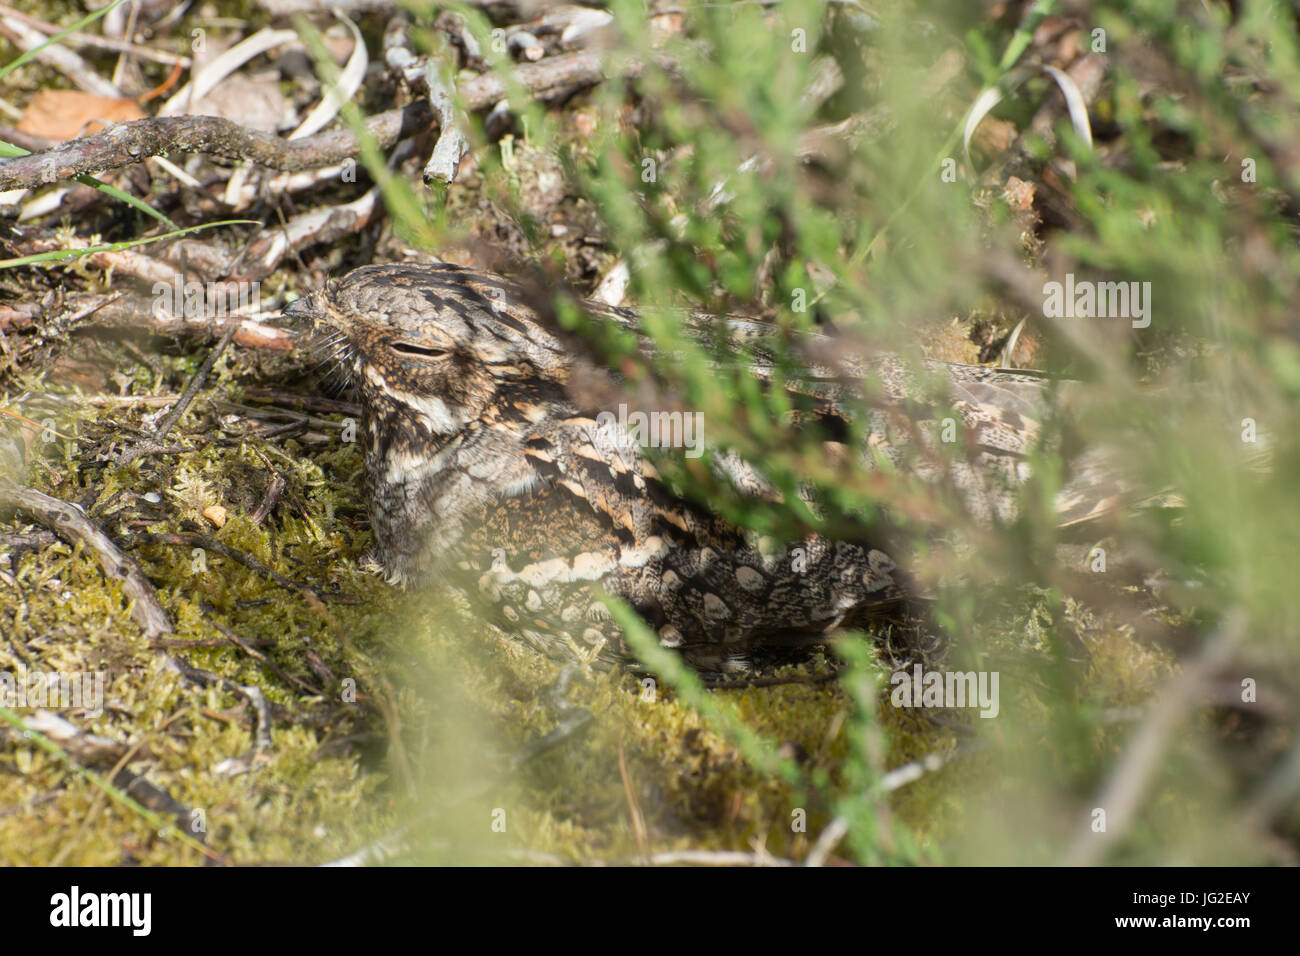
[[301, 313]]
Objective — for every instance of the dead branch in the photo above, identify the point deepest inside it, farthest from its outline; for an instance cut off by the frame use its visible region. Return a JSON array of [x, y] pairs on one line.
[[549, 80], [136, 312], [121, 261], [70, 523], [192, 389], [308, 403], [88, 750], [273, 493], [22, 542], [126, 143], [190, 643], [452, 145]]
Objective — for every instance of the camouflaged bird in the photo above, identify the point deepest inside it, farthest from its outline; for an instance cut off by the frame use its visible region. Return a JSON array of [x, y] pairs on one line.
[[482, 471]]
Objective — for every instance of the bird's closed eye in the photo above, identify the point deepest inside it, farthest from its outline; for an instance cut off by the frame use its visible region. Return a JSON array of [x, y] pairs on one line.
[[424, 351]]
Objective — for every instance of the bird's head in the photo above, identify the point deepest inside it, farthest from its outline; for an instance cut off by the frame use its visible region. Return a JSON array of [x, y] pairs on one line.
[[443, 343]]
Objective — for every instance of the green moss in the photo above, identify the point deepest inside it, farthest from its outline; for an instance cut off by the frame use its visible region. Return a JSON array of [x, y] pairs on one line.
[[458, 698]]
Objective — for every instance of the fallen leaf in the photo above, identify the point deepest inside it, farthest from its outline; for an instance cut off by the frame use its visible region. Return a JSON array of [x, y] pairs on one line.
[[68, 114], [254, 102]]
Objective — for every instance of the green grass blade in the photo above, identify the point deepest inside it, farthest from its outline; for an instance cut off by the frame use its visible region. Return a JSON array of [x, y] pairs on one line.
[[163, 828], [65, 255], [31, 54]]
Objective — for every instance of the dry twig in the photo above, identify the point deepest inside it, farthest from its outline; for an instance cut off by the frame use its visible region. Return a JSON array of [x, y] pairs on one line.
[[126, 143], [70, 523]]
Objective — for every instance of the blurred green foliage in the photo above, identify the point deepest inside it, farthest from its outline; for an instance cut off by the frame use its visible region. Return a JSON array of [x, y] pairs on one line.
[[707, 182]]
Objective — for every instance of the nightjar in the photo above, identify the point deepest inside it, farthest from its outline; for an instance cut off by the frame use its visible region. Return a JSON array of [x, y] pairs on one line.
[[483, 471]]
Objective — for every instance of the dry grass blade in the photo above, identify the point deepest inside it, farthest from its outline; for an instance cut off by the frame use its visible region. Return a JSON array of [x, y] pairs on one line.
[[336, 95]]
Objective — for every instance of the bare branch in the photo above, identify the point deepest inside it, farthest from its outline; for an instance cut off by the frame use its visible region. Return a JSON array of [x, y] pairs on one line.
[[70, 523], [136, 312], [127, 143]]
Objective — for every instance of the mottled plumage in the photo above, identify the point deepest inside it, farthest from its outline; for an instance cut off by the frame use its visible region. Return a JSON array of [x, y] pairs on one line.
[[482, 471]]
